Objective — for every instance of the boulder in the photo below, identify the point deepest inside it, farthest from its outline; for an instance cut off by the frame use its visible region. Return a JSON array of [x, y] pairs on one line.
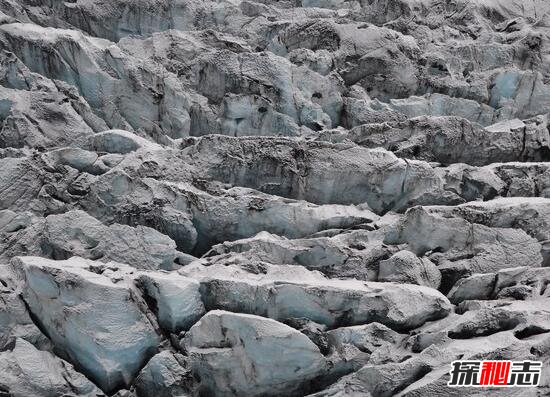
[[27, 371], [95, 322], [175, 299], [449, 139], [353, 254], [276, 289], [42, 118], [460, 248], [353, 347], [79, 234], [240, 354], [165, 375], [530, 214], [522, 283], [15, 321], [406, 267], [119, 141], [474, 287]]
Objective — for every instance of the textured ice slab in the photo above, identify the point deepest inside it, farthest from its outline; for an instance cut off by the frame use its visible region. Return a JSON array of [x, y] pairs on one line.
[[177, 299], [27, 371], [285, 292], [240, 354], [94, 321], [332, 173]]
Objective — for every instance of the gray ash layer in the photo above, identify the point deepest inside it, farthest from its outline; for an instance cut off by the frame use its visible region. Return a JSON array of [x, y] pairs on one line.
[[272, 198]]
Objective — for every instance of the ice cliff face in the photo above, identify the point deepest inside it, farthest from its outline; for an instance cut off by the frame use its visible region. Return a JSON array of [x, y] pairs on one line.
[[268, 198]]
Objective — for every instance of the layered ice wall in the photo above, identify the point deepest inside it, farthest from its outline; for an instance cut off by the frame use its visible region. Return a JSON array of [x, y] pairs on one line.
[[272, 198]]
